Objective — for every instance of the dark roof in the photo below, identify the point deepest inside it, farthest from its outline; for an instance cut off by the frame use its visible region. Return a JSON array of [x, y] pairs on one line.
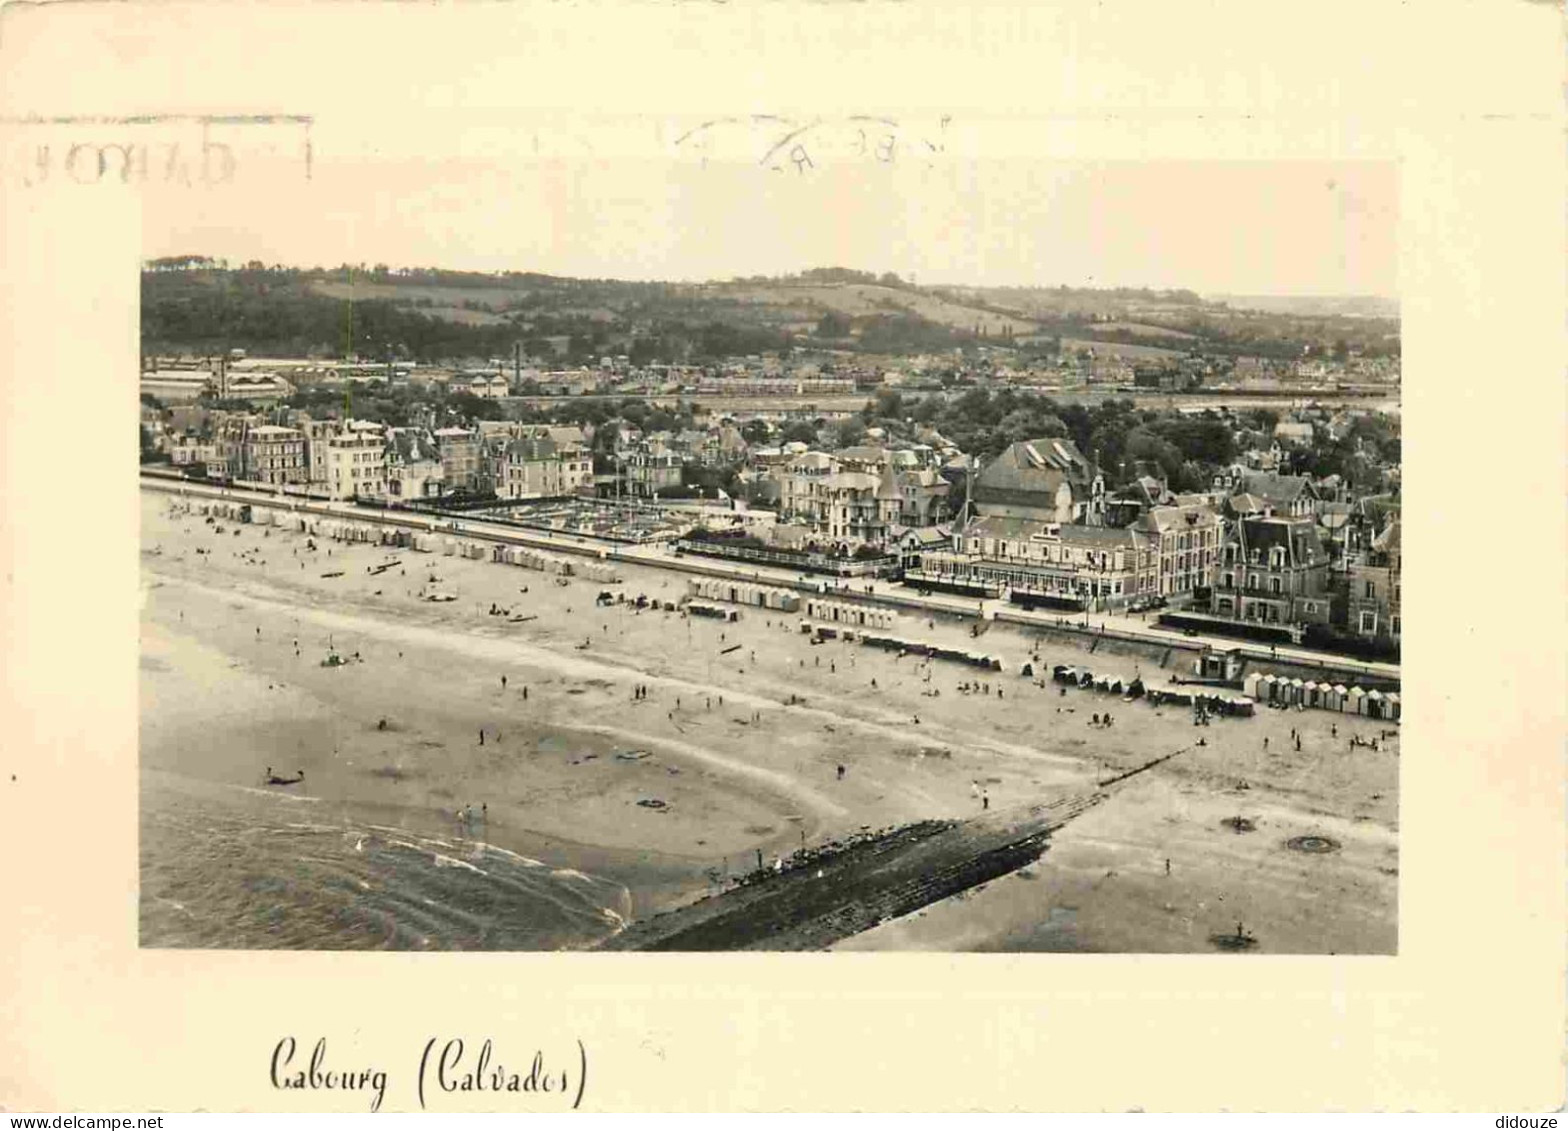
[[533, 448], [412, 444], [1020, 529], [1036, 467], [1298, 537], [1281, 490]]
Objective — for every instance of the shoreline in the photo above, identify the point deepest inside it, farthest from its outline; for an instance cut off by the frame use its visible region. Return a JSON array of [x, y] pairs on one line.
[[734, 766]]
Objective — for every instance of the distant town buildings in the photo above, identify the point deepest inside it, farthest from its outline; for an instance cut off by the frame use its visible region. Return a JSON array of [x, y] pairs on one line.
[[1041, 524]]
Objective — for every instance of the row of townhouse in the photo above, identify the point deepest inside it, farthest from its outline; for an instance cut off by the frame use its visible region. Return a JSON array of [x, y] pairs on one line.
[[363, 459], [1044, 527]]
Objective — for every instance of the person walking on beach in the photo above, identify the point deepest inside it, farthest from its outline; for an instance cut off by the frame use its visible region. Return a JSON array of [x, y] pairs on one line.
[[481, 736], [841, 773], [503, 683]]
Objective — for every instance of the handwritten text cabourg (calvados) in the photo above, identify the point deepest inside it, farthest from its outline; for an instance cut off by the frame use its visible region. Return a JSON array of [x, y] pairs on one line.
[[446, 1068]]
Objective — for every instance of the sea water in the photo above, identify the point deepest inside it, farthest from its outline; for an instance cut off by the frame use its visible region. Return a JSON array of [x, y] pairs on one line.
[[238, 867]]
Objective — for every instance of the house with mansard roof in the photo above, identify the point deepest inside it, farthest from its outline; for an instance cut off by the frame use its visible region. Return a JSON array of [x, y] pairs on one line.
[[1274, 570], [1046, 480]]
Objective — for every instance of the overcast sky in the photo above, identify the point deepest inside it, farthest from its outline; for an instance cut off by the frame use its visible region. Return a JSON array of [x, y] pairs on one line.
[[1312, 228]]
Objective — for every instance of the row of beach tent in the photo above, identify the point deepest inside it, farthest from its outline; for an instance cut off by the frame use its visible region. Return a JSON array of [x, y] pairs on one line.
[[1325, 696], [376, 534], [526, 558], [741, 593], [1083, 677], [1177, 694], [916, 648], [842, 612]]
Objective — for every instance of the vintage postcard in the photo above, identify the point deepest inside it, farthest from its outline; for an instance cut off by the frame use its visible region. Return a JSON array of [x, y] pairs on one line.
[[900, 510]]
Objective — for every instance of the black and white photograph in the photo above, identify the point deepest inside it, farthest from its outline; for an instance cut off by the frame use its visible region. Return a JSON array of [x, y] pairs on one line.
[[996, 558], [781, 557]]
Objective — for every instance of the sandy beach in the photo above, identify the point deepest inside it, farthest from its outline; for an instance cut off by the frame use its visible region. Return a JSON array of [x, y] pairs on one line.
[[659, 796]]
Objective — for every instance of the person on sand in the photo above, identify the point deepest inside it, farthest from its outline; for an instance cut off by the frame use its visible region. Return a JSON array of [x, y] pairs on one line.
[[503, 683], [1167, 865], [481, 736], [840, 773]]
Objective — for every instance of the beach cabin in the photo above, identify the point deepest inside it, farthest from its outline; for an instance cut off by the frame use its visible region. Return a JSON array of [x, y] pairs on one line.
[[1393, 705], [1375, 704], [1297, 691], [1061, 673], [1085, 678], [1217, 663], [1356, 702], [1267, 688], [1334, 697]]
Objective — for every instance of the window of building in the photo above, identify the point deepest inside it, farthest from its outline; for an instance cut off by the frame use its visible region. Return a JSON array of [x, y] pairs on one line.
[[1394, 626], [1276, 585], [1368, 622], [1371, 590]]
